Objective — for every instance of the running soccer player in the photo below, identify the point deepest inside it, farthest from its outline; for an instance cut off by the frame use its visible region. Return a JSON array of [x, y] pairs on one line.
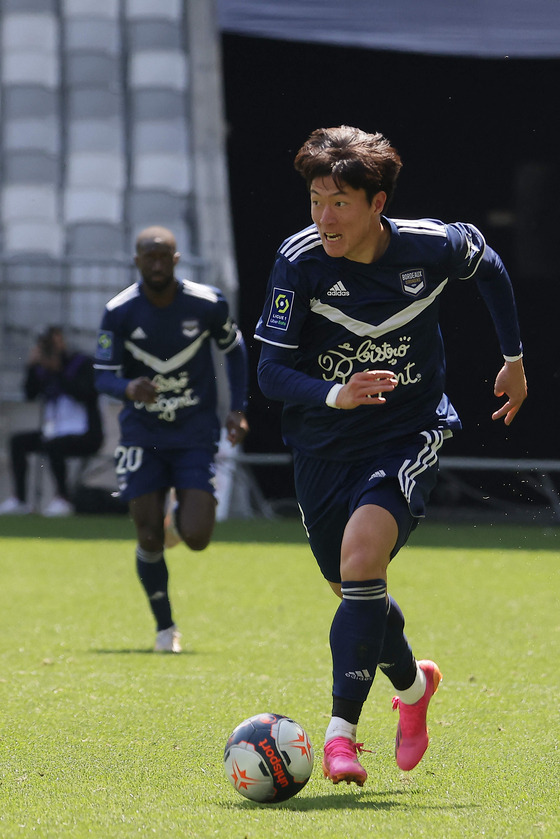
[[154, 351], [352, 346]]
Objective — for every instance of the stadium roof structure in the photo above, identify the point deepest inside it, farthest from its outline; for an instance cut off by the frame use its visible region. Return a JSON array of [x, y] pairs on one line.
[[476, 28]]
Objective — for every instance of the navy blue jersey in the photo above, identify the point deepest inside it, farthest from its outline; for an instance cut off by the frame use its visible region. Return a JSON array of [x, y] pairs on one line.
[[172, 346], [332, 317]]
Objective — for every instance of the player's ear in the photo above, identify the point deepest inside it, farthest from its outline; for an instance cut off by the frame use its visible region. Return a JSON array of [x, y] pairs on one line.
[[176, 257], [379, 200]]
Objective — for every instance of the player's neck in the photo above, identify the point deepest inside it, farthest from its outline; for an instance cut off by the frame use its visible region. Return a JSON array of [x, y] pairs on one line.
[[161, 297], [381, 242], [375, 247]]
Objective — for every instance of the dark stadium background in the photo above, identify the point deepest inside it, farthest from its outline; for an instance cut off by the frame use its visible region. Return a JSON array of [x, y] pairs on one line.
[[478, 143]]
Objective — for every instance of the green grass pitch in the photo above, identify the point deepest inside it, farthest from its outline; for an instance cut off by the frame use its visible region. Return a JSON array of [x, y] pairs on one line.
[[99, 737]]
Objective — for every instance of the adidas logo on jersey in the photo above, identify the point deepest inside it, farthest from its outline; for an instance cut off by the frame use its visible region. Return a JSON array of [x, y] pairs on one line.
[[338, 290], [138, 333], [379, 474]]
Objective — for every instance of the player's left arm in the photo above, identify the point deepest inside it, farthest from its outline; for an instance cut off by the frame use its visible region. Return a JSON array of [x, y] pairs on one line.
[[510, 381], [237, 427], [496, 290], [238, 379]]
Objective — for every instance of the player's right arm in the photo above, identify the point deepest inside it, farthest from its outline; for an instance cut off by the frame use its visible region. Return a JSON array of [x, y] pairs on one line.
[[141, 390], [107, 365], [486, 267], [283, 321], [110, 382], [279, 380], [365, 388]]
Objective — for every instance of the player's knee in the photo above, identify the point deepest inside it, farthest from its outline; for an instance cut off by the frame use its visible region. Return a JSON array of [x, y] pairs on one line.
[[150, 540], [195, 527], [195, 535], [196, 541], [362, 565]]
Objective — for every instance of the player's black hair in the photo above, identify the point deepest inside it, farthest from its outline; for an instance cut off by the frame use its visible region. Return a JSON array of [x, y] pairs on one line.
[[351, 156]]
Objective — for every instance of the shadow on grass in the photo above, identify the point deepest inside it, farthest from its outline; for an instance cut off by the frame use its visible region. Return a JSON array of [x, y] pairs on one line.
[[72, 527], [288, 531], [370, 800], [145, 651]]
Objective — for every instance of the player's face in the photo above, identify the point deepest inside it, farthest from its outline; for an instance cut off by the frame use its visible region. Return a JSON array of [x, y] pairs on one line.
[[349, 225], [156, 262]]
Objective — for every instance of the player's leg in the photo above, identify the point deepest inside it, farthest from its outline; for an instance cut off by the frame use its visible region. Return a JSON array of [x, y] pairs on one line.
[[143, 479], [357, 634], [415, 682], [397, 661], [147, 513], [195, 517], [193, 509], [171, 536], [324, 490], [380, 500]]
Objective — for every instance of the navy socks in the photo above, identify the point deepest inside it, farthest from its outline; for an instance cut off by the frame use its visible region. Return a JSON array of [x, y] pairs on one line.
[[153, 574], [356, 639], [366, 633], [396, 659]]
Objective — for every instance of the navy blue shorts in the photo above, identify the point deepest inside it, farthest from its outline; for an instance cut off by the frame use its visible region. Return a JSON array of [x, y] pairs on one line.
[[140, 471], [400, 480]]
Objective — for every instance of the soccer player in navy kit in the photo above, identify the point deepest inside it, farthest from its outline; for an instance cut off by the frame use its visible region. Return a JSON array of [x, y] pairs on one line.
[[154, 352], [352, 346]]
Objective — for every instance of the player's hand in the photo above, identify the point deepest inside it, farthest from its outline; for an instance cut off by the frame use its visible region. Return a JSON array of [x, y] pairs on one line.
[[366, 388], [141, 390], [511, 382], [237, 427]]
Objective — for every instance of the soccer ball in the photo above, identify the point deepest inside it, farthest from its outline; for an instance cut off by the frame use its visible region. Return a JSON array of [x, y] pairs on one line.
[[268, 758]]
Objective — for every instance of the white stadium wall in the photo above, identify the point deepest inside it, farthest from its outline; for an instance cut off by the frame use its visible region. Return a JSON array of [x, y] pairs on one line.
[[99, 137], [111, 120]]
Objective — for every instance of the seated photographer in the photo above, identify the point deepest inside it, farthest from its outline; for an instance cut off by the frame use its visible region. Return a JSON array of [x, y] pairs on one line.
[[71, 421]]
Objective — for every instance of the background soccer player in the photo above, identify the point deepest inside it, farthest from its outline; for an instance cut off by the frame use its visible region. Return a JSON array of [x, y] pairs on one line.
[[154, 353], [352, 345]]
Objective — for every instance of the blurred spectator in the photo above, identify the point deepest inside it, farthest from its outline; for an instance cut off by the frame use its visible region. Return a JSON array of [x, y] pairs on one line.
[[71, 421]]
